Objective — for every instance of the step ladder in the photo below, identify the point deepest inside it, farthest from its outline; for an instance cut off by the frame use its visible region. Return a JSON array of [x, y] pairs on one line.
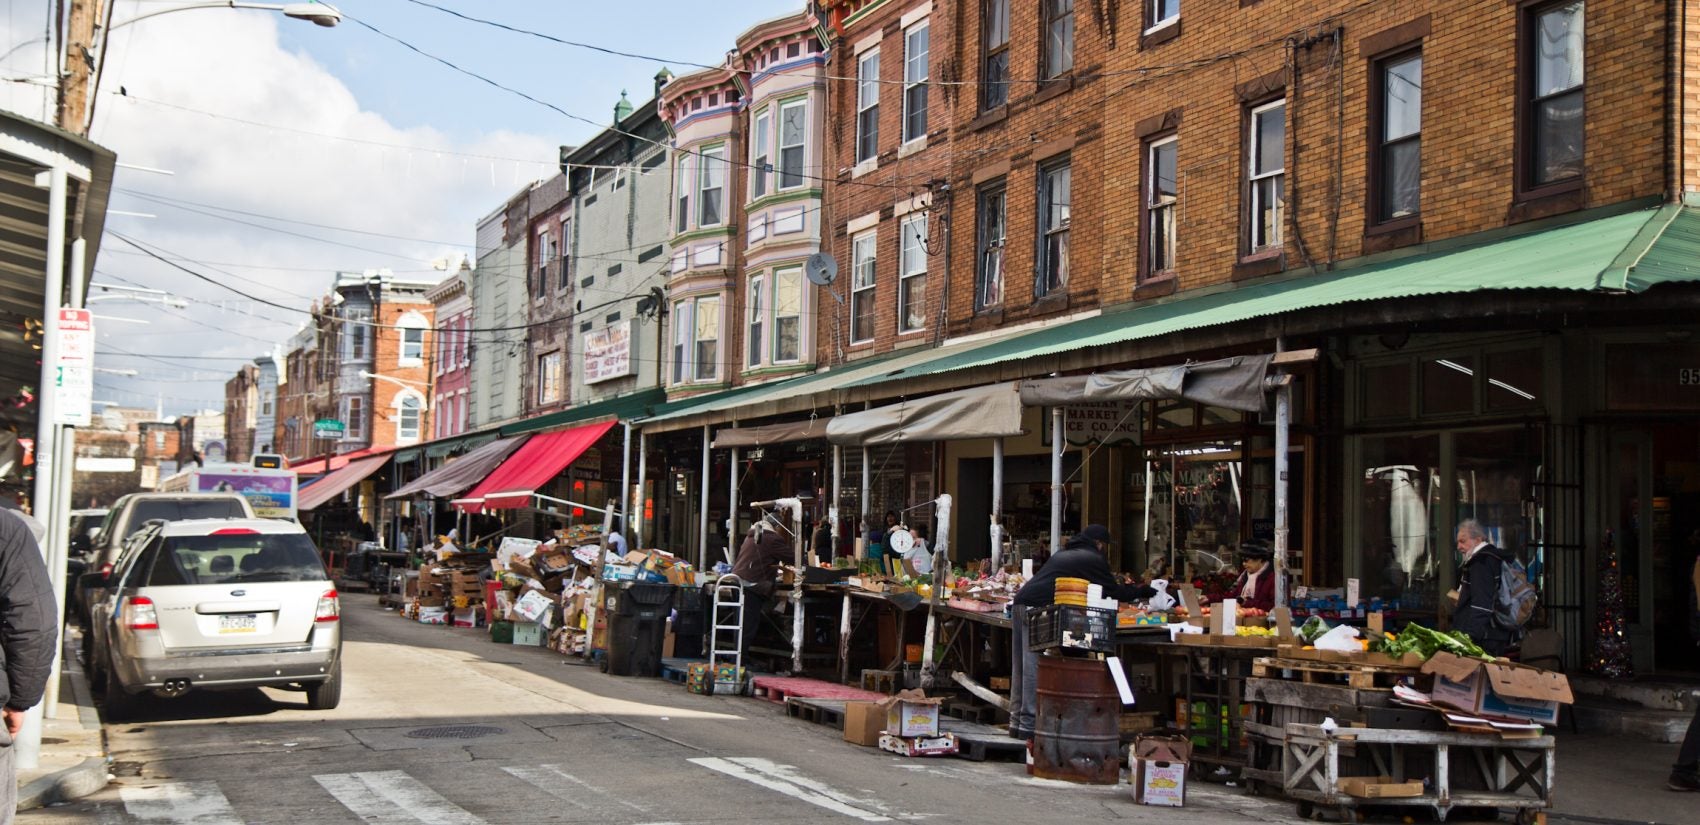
[[726, 641]]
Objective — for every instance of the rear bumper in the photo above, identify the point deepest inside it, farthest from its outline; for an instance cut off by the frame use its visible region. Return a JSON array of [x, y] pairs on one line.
[[229, 670]]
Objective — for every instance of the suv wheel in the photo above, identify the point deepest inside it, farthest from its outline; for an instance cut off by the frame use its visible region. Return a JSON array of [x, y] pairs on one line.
[[327, 694], [118, 706]]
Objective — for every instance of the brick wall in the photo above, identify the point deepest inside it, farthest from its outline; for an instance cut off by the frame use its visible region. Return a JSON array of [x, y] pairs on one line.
[[549, 303], [386, 360]]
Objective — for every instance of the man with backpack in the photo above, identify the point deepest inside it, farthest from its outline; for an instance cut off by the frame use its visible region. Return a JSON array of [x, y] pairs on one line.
[[1480, 582]]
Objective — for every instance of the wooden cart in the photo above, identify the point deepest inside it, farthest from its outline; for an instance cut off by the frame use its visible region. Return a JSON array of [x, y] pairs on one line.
[[1458, 770]]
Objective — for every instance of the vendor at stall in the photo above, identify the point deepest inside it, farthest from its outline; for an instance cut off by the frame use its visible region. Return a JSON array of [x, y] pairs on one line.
[[1256, 585], [919, 556], [1082, 557], [764, 549]]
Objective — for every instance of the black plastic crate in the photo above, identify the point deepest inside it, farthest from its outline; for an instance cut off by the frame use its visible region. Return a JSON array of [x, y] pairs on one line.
[[1072, 628], [692, 607]]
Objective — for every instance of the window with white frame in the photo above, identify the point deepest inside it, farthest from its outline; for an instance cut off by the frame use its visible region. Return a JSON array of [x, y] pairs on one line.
[[357, 334], [756, 315], [682, 327], [988, 276], [545, 256], [566, 265], [411, 327], [707, 339], [788, 315], [761, 142], [549, 378], [915, 73], [1160, 13], [862, 288], [409, 411], [682, 193], [1059, 37], [266, 401], [711, 186], [437, 426], [793, 132], [1399, 137], [1055, 186], [1554, 78], [867, 105], [1161, 195], [1266, 174], [912, 275]]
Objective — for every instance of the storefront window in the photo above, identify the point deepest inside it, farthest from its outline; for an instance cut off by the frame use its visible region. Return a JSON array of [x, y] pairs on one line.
[[1174, 415], [1401, 539], [1652, 376], [1493, 477], [1449, 385], [1514, 379], [1195, 509], [1387, 390]]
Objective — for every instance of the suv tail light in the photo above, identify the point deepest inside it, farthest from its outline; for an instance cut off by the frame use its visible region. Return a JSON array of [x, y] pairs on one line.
[[139, 614], [330, 607]]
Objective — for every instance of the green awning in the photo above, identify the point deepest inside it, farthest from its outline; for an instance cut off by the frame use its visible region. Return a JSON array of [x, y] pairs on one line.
[[1625, 252], [443, 448], [622, 408], [407, 456]]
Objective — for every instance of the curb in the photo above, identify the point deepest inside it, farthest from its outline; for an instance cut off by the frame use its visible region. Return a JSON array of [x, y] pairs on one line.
[[62, 786]]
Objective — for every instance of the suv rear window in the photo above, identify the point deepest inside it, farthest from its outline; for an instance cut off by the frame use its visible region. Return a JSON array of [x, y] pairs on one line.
[[185, 509], [235, 558]]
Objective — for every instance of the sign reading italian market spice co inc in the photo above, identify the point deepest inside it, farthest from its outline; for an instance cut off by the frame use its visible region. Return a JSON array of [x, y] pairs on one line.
[[608, 353]]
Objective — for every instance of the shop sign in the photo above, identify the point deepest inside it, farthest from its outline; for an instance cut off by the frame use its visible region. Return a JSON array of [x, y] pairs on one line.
[[608, 353], [73, 387], [1108, 422]]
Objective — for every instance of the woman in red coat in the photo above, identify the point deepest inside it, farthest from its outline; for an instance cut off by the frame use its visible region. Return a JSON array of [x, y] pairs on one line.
[[1256, 585]]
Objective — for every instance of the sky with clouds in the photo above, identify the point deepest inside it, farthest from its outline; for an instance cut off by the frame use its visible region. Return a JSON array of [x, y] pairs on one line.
[[295, 151]]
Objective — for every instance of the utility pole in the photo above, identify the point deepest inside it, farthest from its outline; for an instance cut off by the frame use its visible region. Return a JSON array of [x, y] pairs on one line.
[[73, 103]]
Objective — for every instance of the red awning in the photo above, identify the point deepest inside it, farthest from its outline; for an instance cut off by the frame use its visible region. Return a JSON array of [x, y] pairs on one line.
[[331, 486], [337, 462], [530, 467]]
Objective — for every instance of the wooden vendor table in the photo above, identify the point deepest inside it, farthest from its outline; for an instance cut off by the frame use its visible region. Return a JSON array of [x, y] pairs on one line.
[[819, 605]]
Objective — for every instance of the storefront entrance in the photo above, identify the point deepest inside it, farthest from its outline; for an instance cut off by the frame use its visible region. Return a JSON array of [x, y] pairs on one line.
[[1651, 501]]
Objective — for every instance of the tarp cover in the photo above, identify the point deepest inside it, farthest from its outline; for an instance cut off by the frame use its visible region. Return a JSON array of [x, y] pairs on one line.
[[460, 474], [334, 484], [1235, 383], [981, 412], [772, 433], [530, 467]]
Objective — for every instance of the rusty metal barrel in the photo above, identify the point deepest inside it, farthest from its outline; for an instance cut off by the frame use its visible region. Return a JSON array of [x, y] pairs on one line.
[[1077, 730]]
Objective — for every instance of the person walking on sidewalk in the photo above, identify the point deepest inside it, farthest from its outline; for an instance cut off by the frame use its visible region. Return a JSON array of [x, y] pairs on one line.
[[1685, 774], [28, 631]]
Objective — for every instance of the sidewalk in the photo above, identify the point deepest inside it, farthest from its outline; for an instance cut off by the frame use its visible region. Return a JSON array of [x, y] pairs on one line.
[[73, 750], [1615, 779]]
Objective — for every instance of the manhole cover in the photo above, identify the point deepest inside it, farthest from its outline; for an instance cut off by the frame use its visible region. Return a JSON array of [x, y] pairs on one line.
[[455, 732]]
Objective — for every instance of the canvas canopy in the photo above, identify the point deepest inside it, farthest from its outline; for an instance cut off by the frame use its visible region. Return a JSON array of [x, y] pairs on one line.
[[1235, 383], [981, 412]]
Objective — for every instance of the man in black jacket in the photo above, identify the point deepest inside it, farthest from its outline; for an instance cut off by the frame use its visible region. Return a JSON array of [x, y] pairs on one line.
[[1081, 558], [28, 631], [1478, 588]]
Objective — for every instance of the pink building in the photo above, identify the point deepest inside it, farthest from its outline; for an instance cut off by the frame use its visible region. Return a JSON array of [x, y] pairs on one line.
[[451, 359]]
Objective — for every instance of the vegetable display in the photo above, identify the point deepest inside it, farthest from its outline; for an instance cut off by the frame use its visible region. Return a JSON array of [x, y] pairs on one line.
[[1427, 642]]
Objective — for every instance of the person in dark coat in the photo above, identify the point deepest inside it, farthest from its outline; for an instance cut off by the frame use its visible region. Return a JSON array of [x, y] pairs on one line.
[[1081, 558], [1256, 585], [1478, 588], [1685, 774], [29, 621], [759, 557]]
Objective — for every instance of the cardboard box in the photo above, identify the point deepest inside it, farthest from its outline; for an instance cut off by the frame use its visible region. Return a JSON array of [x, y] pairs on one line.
[[1498, 689], [532, 606], [1159, 770], [1378, 787], [699, 678], [939, 745], [466, 617], [528, 634], [864, 723], [911, 713]]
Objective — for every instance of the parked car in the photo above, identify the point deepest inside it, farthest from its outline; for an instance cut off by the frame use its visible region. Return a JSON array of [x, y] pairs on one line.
[[130, 513], [216, 604], [83, 527]]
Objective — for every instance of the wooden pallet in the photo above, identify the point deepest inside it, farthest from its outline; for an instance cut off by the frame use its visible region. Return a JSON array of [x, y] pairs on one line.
[[1356, 676], [971, 711], [978, 742], [819, 711], [777, 689]]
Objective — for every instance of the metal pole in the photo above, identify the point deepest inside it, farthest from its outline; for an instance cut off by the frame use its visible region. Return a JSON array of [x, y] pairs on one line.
[[625, 497], [44, 502], [58, 541], [639, 494], [797, 619], [1056, 477], [997, 504], [867, 482], [702, 509], [732, 507], [1283, 415], [837, 494], [941, 561]]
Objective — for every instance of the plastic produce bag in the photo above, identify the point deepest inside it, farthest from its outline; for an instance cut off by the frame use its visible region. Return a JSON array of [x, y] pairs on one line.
[[1344, 637], [1162, 600]]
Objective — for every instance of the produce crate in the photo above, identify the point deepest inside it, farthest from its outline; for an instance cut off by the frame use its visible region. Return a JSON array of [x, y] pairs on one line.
[[1073, 628]]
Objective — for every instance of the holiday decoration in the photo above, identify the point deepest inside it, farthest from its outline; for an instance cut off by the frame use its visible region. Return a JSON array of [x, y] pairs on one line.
[[1611, 633]]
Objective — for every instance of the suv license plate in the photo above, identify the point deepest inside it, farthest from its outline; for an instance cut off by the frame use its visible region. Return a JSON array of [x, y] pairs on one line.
[[237, 623]]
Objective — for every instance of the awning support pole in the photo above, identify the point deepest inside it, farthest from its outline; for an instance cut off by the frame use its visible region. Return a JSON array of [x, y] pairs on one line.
[[1283, 416], [941, 575], [997, 504], [732, 507], [1056, 478], [702, 507], [639, 494], [626, 483], [797, 620], [837, 494], [867, 482]]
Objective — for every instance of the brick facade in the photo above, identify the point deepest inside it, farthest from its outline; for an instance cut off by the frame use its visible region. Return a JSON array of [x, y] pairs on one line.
[[549, 300]]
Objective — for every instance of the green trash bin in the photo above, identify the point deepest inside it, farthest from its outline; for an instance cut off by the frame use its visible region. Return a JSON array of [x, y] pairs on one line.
[[638, 628]]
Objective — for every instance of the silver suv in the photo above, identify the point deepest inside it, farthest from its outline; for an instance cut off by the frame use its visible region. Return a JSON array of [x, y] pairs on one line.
[[217, 604]]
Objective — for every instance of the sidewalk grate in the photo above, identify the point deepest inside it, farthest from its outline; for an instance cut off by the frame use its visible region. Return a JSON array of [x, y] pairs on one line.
[[455, 732]]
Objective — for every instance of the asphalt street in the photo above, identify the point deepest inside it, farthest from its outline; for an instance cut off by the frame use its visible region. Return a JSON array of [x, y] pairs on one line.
[[441, 726]]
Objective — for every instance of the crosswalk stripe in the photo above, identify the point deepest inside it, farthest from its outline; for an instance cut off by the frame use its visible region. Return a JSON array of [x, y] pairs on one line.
[[784, 779], [376, 796], [550, 778], [180, 803]]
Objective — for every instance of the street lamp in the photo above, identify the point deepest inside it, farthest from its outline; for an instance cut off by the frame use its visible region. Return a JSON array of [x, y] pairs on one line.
[[400, 382], [319, 14]]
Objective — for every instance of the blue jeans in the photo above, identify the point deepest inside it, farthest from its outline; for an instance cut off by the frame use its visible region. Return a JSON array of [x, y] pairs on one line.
[[1024, 678]]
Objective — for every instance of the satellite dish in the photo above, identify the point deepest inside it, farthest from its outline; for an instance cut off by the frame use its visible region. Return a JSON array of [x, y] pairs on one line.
[[900, 540], [820, 269]]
